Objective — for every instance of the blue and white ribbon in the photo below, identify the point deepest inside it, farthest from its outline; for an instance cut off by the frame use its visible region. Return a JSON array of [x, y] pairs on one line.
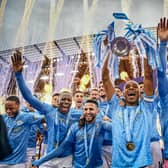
[[145, 42], [88, 150], [100, 49], [58, 126], [129, 117], [97, 45], [121, 16]]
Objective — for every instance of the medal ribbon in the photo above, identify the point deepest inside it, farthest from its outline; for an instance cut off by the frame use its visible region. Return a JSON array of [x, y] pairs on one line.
[[129, 122], [88, 150], [58, 127], [107, 109]]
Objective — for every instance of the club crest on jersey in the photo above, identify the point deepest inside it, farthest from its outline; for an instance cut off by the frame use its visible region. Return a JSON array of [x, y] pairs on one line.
[[19, 122]]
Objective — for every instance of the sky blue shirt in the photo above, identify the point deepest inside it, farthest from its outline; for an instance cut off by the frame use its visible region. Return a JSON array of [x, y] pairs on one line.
[[75, 138], [34, 128], [141, 135], [156, 114], [103, 110], [18, 134], [52, 115], [163, 93]]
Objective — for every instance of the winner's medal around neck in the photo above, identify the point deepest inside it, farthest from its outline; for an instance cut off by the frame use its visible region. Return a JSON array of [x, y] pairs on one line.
[[129, 116], [120, 46], [130, 146]]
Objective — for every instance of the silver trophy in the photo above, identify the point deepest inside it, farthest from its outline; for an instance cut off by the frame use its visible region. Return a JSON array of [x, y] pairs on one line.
[[120, 46]]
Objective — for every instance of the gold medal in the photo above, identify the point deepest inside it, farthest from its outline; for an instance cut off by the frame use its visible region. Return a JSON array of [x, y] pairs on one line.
[[130, 146]]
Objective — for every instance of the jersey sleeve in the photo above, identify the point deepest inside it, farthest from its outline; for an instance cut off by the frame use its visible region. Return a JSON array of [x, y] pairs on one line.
[[31, 119], [43, 108], [162, 78], [107, 126]]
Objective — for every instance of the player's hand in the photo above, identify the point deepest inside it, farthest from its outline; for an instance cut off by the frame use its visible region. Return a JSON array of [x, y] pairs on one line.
[[17, 62]]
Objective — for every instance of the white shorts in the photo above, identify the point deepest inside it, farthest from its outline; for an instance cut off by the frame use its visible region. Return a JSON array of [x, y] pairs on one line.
[[156, 154], [21, 165], [64, 162], [107, 156], [43, 149], [30, 152]]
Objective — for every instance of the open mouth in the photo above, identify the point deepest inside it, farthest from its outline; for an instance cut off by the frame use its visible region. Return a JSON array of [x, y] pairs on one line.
[[131, 95], [11, 114]]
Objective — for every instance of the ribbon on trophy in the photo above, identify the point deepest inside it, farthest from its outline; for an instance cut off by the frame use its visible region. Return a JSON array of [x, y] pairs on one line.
[[145, 43], [135, 37], [101, 44], [102, 47], [101, 50], [97, 46]]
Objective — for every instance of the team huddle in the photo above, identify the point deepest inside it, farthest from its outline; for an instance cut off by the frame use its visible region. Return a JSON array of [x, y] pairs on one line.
[[114, 127]]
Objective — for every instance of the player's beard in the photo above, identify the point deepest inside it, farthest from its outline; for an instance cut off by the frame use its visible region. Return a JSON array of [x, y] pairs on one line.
[[89, 118]]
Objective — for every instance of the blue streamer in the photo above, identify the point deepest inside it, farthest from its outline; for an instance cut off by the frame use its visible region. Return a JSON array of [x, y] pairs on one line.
[[98, 42], [135, 34], [121, 16], [97, 46], [111, 34], [116, 68], [145, 43]]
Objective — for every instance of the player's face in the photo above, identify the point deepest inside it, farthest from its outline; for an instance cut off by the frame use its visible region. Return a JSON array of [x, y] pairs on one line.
[[102, 92], [141, 87], [118, 92], [131, 93], [90, 111], [11, 108], [55, 101], [78, 98], [94, 94], [65, 102]]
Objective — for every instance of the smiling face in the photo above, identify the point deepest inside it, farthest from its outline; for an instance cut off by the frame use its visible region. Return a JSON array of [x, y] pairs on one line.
[[131, 93], [11, 108], [90, 111], [65, 101]]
